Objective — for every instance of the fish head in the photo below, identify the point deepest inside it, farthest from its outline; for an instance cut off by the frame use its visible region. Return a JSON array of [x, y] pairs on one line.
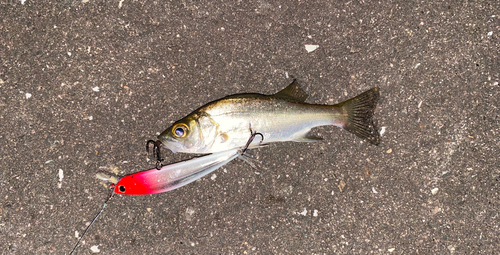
[[187, 135]]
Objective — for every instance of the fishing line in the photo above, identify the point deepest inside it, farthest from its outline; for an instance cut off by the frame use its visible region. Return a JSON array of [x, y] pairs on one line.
[[110, 195]]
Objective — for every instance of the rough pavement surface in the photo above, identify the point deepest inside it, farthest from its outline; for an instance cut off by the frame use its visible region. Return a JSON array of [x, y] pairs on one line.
[[84, 85]]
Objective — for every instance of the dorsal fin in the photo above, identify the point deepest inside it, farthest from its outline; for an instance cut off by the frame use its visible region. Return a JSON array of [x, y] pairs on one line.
[[293, 92]]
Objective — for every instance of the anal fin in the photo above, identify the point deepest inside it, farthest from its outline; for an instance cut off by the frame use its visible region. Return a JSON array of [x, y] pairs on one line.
[[309, 137]]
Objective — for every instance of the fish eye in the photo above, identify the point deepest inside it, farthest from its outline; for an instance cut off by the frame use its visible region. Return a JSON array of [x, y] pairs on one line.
[[180, 130], [121, 188]]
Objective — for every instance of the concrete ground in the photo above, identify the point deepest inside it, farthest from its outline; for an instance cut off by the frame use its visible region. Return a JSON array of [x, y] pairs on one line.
[[84, 84]]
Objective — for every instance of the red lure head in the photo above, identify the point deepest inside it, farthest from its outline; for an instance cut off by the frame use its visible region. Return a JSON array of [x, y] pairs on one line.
[[135, 184]]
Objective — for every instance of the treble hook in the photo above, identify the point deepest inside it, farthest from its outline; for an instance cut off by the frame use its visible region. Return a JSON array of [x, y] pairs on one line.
[[156, 150], [250, 140]]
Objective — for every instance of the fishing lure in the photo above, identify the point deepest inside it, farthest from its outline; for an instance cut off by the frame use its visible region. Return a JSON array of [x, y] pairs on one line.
[[173, 176]]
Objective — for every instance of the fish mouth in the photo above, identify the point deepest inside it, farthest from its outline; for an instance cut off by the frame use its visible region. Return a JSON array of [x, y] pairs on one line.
[[168, 144], [170, 147]]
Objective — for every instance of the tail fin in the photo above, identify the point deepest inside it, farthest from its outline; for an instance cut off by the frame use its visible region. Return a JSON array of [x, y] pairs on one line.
[[360, 115]]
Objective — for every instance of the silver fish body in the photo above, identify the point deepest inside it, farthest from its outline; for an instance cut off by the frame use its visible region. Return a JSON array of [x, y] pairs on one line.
[[228, 123]]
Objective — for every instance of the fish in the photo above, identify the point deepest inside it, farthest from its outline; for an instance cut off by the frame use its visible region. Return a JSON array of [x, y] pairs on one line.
[[226, 123]]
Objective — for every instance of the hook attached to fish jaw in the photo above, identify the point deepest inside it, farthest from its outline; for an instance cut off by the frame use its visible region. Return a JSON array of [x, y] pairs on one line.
[[156, 151]]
